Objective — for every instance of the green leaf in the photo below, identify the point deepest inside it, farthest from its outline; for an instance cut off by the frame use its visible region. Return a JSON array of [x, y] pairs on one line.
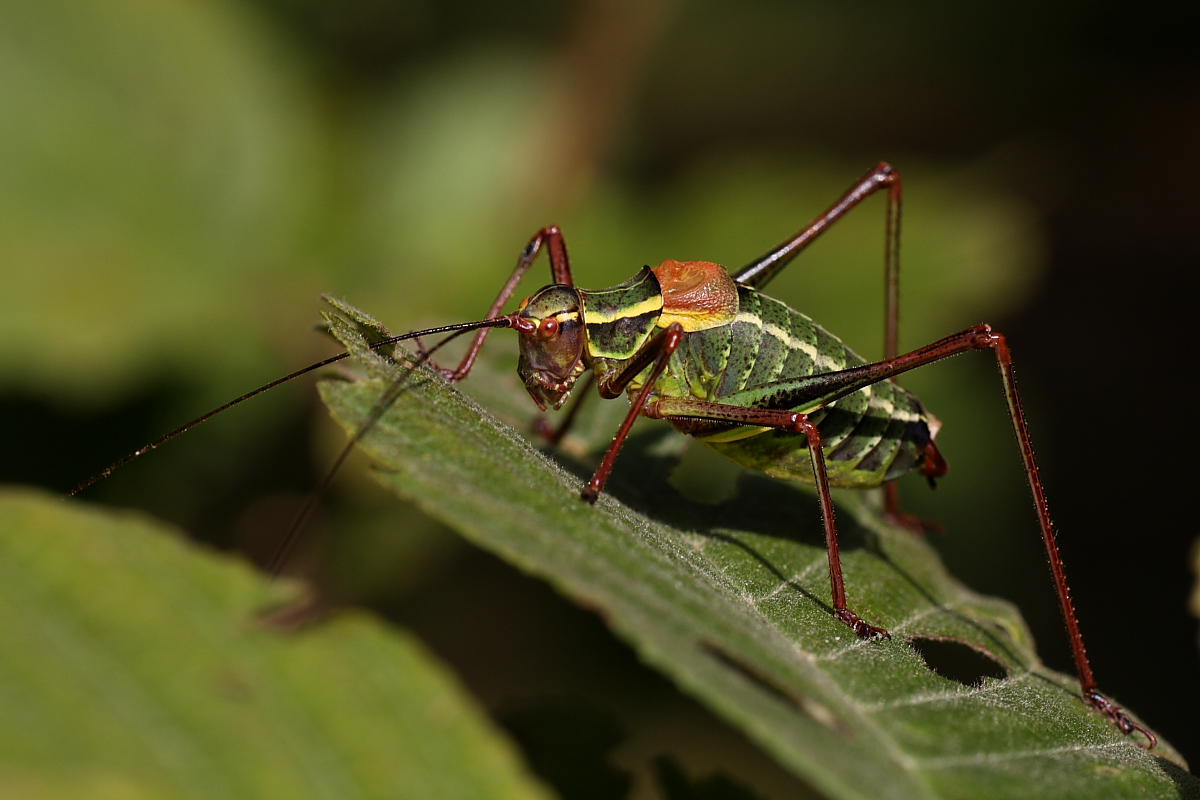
[[731, 601], [133, 665]]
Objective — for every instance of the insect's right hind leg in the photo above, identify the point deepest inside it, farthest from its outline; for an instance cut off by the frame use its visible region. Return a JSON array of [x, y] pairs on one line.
[[829, 387], [883, 175]]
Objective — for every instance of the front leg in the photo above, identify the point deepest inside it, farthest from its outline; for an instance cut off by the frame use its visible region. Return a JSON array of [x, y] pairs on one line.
[[657, 350]]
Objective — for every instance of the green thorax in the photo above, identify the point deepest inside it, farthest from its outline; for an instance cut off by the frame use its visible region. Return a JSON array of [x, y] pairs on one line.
[[620, 319]]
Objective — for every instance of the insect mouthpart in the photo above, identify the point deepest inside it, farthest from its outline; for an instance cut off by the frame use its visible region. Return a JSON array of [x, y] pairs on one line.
[[549, 391]]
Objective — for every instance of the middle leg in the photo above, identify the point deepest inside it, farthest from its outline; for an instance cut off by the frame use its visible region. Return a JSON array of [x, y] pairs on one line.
[[796, 423]]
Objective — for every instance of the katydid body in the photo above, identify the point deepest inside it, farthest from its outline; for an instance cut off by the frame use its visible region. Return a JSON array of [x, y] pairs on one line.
[[750, 377], [755, 352], [763, 384]]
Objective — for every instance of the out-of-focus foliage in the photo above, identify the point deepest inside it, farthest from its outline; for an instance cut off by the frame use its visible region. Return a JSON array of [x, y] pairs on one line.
[[137, 666], [162, 176]]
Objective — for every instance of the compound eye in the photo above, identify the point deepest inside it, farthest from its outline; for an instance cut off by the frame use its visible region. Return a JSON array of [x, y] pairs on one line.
[[548, 328]]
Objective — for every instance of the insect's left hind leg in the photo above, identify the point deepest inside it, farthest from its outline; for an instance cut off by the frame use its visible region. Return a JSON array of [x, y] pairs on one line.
[[1091, 692]]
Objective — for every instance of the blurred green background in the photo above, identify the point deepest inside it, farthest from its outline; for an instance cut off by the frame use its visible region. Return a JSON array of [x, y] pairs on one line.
[[181, 181]]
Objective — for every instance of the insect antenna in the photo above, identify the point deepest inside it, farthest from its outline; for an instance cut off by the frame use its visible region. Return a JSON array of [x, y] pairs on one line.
[[380, 407], [495, 322]]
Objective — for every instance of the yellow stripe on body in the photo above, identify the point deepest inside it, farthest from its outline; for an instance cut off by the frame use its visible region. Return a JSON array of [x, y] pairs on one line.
[[647, 306], [692, 321]]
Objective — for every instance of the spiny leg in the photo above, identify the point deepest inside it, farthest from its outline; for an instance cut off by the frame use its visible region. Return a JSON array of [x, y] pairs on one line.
[[883, 175], [821, 390], [657, 350], [1091, 692]]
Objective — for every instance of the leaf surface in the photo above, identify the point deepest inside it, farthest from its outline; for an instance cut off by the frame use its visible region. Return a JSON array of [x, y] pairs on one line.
[[134, 665], [731, 601]]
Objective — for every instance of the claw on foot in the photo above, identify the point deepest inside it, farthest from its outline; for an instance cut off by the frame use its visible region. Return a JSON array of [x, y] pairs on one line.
[[1115, 713], [451, 375], [423, 352], [860, 626]]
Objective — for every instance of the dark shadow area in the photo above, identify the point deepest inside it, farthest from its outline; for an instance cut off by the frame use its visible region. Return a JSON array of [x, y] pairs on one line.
[[1189, 787], [756, 507], [199, 481], [958, 661], [676, 785], [568, 743]]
